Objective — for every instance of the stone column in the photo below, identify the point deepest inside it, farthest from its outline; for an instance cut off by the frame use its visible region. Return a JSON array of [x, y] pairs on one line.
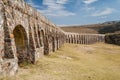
[[103, 38], [88, 39], [82, 39], [92, 39], [100, 38], [97, 38]]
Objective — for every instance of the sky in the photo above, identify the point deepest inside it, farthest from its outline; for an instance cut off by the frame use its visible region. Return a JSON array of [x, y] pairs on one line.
[[78, 12]]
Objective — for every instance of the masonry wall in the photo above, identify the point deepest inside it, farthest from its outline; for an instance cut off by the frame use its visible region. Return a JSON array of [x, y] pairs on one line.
[[25, 35]]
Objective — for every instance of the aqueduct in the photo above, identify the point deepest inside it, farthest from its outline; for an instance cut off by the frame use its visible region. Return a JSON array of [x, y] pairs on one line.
[[76, 38], [26, 35]]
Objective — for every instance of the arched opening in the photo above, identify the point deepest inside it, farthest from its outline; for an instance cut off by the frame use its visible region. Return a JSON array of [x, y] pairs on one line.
[[42, 38], [21, 43], [72, 39], [57, 42], [46, 45], [69, 40], [53, 44], [39, 36]]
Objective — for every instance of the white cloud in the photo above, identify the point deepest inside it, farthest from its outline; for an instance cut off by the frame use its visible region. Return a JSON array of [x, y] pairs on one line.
[[88, 8], [62, 1], [30, 2], [54, 8], [106, 11], [103, 17], [57, 13], [89, 1]]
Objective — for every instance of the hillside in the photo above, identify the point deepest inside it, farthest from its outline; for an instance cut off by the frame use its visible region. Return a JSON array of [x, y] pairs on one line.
[[102, 28], [75, 62]]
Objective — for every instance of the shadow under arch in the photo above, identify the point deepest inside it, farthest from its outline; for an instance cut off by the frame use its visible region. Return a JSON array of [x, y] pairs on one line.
[[53, 44], [21, 42], [72, 39], [57, 41], [46, 45], [42, 36]]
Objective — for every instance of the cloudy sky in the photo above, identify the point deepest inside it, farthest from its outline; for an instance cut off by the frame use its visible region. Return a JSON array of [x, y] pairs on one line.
[[78, 12]]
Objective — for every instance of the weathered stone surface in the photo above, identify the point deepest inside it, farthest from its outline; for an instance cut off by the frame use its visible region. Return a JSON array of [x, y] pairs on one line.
[[8, 67]]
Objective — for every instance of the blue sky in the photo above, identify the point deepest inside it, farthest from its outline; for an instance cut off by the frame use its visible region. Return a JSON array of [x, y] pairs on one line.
[[78, 12]]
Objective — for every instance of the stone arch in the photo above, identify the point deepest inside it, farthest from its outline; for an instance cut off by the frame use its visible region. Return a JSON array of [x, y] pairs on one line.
[[21, 42]]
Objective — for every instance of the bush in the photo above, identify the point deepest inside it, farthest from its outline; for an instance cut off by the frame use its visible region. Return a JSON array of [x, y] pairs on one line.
[[113, 38]]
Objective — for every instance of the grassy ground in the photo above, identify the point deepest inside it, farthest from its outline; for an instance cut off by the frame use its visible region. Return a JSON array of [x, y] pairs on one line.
[[75, 62]]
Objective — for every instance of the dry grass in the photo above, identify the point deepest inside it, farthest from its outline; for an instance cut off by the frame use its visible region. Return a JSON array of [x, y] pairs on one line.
[[75, 62], [80, 29]]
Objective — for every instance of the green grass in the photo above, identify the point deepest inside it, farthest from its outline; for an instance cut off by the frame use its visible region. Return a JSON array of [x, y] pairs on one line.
[[75, 62]]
